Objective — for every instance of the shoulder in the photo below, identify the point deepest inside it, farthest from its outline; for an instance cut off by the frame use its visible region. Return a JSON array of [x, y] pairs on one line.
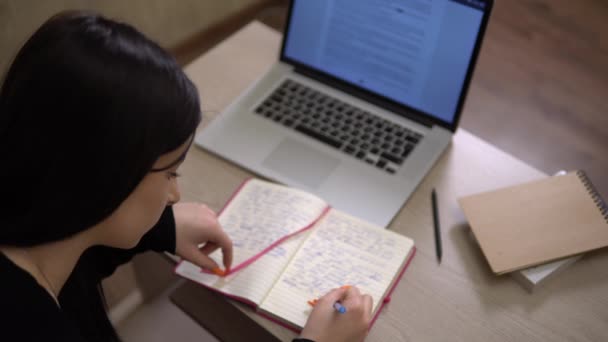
[[27, 311]]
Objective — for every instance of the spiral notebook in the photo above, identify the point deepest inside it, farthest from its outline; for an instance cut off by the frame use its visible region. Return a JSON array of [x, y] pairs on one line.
[[533, 223]]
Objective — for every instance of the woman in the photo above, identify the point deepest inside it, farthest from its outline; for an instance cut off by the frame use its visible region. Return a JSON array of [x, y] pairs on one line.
[[95, 120]]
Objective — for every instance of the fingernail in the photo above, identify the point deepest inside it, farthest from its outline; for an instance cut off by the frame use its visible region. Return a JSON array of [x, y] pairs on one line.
[[313, 302], [218, 271], [345, 286]]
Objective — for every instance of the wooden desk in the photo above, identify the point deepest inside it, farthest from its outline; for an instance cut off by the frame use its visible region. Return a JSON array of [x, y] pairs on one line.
[[459, 300]]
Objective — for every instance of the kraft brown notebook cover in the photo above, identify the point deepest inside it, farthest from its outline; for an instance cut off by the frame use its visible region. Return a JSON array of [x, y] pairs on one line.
[[537, 222]]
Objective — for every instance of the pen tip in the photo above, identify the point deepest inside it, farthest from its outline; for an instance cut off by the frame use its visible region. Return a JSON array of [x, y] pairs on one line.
[[218, 271]]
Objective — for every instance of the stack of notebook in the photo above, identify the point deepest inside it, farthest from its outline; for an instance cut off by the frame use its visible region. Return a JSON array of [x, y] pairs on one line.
[[535, 229]]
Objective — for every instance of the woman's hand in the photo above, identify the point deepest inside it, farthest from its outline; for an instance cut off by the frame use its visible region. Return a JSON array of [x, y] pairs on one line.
[[196, 224], [326, 324]]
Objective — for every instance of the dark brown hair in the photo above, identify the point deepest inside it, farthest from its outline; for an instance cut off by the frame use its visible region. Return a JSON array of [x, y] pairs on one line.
[[86, 108]]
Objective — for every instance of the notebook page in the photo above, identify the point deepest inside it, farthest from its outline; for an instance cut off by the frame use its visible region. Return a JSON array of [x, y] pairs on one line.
[[252, 282], [262, 213], [342, 250]]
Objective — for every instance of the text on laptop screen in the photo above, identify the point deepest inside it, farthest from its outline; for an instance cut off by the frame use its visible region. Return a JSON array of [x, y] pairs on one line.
[[414, 52]]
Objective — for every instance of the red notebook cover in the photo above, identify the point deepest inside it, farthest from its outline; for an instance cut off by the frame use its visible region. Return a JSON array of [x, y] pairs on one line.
[[276, 243]]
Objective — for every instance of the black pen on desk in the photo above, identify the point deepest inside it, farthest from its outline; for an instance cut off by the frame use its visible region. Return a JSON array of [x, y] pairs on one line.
[[436, 225]]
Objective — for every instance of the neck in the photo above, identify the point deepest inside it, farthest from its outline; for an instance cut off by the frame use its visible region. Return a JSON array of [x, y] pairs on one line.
[[51, 263]]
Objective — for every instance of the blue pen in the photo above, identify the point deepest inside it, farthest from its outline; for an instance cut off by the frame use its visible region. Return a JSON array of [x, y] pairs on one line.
[[339, 307]]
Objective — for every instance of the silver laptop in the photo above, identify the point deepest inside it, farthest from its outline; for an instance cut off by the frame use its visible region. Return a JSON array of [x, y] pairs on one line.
[[363, 101]]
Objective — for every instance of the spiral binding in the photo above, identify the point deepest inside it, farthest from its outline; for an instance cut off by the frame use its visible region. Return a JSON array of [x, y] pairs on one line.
[[595, 195]]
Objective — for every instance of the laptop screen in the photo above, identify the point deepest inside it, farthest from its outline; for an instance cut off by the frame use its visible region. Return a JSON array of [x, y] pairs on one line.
[[414, 52]]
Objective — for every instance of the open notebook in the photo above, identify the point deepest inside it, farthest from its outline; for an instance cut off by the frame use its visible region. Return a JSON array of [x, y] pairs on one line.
[[291, 247]]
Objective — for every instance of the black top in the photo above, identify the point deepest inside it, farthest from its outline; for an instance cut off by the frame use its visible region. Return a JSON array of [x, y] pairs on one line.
[[29, 313]]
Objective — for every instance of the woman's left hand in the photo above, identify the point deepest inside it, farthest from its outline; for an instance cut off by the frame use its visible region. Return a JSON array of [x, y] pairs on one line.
[[196, 224]]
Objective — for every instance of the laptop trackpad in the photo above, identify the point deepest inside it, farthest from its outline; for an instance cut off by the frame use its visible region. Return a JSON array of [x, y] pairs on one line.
[[301, 163]]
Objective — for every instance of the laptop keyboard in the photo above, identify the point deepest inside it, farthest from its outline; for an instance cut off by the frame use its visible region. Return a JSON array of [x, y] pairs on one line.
[[353, 131]]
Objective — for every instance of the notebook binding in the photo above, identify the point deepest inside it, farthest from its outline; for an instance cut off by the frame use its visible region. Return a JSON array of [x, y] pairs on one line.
[[595, 195]]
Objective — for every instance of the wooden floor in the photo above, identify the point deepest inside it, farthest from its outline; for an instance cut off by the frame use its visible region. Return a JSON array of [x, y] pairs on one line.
[[540, 89]]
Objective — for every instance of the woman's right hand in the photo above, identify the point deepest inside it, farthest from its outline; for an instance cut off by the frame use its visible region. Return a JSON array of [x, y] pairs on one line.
[[326, 324]]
